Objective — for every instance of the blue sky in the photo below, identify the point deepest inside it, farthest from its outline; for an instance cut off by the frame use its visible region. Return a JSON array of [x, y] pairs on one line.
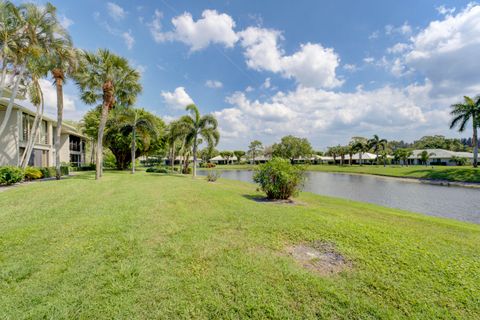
[[322, 70]]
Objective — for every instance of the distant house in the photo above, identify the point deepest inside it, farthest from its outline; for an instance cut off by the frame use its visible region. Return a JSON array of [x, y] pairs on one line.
[[19, 128], [222, 160], [439, 157]]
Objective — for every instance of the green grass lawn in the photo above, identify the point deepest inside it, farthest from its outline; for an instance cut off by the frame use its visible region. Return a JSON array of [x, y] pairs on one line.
[[157, 246], [463, 174]]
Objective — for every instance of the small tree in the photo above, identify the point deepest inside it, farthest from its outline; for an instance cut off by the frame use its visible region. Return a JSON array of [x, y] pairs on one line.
[[279, 179], [226, 155], [425, 156], [459, 161], [291, 147], [239, 154], [254, 149]]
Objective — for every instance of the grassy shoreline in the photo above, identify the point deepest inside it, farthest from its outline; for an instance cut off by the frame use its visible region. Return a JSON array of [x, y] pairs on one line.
[[454, 174], [153, 245]]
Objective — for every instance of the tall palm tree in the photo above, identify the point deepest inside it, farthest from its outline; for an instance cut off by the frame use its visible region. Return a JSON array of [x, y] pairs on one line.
[[63, 62], [200, 126], [464, 112], [107, 79], [140, 124], [377, 144]]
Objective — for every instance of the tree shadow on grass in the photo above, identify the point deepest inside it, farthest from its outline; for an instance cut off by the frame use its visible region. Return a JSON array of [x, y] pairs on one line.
[[262, 199]]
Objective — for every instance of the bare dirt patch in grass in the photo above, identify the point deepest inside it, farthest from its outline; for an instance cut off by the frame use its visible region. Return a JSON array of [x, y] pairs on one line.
[[321, 257]]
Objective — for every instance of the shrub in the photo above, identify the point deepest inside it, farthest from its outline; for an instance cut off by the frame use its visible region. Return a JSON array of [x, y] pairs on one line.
[[157, 170], [85, 167], [211, 165], [10, 175], [279, 179], [32, 173], [49, 172], [187, 170], [213, 176]]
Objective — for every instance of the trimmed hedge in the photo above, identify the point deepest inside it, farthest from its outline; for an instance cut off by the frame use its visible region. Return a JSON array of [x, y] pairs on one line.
[[32, 173], [10, 175], [157, 170], [50, 172]]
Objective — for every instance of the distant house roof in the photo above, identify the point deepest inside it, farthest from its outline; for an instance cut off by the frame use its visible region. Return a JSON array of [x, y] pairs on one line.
[[441, 154]]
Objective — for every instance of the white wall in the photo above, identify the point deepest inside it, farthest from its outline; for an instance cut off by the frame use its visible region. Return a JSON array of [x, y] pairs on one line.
[[9, 140]]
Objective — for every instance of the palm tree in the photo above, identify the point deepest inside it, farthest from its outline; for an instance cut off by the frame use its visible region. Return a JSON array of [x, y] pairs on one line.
[[37, 69], [14, 52], [239, 154], [42, 33], [175, 132], [464, 112], [350, 151], [10, 26], [63, 63], [196, 126], [342, 151], [360, 145], [140, 124], [108, 79], [377, 144], [424, 156]]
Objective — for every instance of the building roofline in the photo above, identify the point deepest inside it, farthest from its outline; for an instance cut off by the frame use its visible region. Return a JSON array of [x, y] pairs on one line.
[[66, 128]]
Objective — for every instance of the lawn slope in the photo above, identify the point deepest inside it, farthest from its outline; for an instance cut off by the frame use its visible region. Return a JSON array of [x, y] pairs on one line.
[[155, 246]]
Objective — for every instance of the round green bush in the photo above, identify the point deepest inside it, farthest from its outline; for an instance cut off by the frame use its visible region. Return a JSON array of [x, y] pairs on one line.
[[10, 175], [279, 179]]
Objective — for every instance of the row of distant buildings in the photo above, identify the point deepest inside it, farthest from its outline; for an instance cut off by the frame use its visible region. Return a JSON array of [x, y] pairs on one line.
[[14, 139], [439, 157]]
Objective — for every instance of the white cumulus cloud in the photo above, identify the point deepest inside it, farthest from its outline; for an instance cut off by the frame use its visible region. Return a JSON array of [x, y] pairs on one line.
[[212, 27], [312, 65], [178, 99]]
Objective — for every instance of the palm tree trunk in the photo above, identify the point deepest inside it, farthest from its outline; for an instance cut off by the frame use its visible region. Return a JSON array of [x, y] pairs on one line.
[[59, 85], [36, 129], [194, 156], [133, 150], [4, 78], [360, 158], [101, 129], [108, 100], [172, 162], [92, 155], [475, 144], [12, 99]]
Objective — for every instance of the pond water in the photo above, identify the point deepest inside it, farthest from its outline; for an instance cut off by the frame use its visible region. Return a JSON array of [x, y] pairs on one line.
[[442, 201]]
